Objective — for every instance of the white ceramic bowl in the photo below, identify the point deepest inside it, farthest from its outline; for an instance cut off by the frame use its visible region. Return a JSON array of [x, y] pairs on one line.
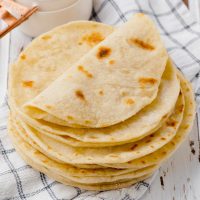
[[47, 5], [43, 21]]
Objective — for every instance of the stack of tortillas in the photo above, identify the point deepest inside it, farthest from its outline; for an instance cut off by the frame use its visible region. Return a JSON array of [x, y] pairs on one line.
[[96, 107]]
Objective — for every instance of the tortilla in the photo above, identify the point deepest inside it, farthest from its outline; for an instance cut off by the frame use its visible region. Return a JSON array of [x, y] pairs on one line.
[[78, 140], [33, 156], [167, 150], [117, 74], [70, 170], [122, 153], [144, 123], [64, 41]]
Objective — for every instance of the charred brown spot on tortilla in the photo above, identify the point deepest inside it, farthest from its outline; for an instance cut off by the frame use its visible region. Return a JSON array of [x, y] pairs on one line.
[[155, 158], [146, 80], [103, 52], [180, 108], [186, 126], [141, 44], [65, 136], [101, 92], [27, 84], [173, 143], [23, 56], [80, 94], [129, 162], [70, 117], [152, 135], [87, 121], [134, 146], [162, 138], [187, 89], [165, 116], [171, 123], [143, 162], [111, 62], [93, 38], [83, 70], [82, 171], [164, 152], [46, 37], [129, 101], [148, 141], [123, 93]]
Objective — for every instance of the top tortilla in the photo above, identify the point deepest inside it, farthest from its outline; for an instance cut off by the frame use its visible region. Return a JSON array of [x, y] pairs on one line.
[[32, 68], [108, 85]]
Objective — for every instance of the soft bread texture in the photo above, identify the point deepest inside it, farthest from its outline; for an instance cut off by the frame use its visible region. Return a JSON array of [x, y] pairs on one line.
[[39, 165], [44, 164], [100, 150], [50, 55], [122, 153], [167, 150], [32, 73], [144, 123], [88, 92], [85, 176]]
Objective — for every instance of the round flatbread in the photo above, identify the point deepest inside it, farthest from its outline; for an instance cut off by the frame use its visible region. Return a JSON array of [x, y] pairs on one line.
[[70, 174], [31, 74], [116, 154], [121, 75], [167, 150]]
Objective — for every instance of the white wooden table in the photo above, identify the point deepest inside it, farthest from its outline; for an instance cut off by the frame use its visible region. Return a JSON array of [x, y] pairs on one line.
[[178, 178]]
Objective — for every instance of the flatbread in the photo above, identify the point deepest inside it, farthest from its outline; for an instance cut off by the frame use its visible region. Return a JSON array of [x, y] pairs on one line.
[[117, 74], [27, 143], [145, 128], [122, 153], [144, 123], [34, 157], [64, 41], [167, 150]]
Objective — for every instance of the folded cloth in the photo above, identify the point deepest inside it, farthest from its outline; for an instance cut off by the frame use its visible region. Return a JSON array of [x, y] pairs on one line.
[[181, 35]]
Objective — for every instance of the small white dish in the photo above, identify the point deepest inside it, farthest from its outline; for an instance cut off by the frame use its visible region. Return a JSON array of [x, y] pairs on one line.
[[43, 21]]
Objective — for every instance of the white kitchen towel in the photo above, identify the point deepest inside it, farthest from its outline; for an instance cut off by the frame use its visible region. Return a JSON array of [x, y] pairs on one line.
[[181, 35]]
